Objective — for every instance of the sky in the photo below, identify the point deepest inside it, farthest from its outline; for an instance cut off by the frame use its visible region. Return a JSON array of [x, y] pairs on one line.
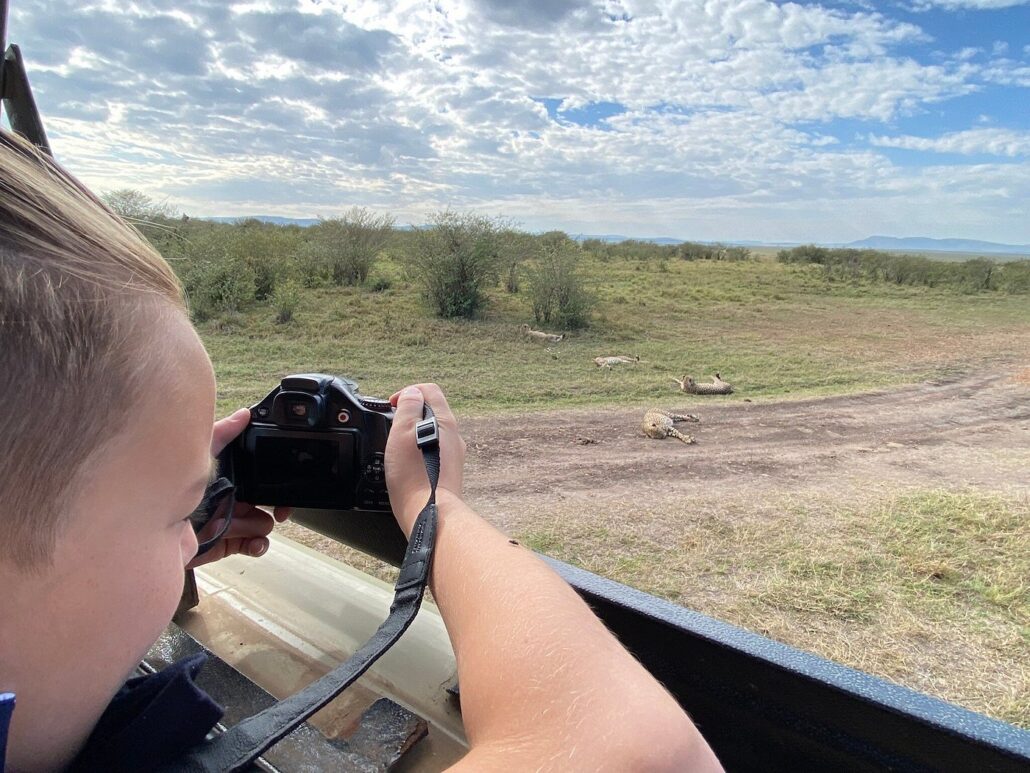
[[695, 119]]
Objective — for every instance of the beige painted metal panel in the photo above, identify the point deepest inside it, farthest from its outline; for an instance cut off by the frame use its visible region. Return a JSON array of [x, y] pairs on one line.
[[294, 614]]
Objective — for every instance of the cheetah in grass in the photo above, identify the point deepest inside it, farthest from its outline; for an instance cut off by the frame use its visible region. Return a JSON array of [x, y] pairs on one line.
[[659, 424], [716, 387], [540, 335], [608, 362]]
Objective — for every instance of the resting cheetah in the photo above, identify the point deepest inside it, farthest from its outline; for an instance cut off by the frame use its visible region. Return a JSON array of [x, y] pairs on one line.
[[717, 387], [658, 424], [608, 362], [540, 335]]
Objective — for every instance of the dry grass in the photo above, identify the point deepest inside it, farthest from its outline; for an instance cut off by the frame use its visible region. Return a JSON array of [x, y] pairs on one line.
[[929, 589]]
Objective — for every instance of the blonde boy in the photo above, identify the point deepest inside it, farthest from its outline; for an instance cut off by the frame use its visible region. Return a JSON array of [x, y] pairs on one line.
[[106, 419]]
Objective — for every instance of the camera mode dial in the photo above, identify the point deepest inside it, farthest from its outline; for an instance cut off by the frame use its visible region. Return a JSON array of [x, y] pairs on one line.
[[375, 403]]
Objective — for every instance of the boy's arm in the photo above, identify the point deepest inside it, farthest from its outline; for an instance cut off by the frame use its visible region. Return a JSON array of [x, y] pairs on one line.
[[544, 685]]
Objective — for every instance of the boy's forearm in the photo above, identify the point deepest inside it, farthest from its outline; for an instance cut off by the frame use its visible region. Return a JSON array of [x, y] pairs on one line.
[[540, 675]]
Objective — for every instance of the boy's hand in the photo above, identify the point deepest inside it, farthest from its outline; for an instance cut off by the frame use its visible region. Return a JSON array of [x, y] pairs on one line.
[[406, 476], [248, 532]]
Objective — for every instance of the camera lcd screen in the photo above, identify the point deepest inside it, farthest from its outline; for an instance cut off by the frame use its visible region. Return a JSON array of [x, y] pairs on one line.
[[303, 461]]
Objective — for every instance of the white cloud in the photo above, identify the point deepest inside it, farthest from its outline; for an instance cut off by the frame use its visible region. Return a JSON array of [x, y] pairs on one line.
[[976, 5], [995, 142], [311, 107]]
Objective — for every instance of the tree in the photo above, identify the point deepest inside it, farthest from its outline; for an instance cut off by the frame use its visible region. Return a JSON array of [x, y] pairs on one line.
[[137, 207], [455, 259], [557, 289], [347, 247]]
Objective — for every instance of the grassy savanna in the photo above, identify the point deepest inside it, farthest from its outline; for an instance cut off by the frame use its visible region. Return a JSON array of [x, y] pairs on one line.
[[925, 587], [771, 329]]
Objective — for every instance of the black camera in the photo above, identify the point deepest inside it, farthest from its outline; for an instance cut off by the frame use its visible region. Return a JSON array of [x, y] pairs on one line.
[[313, 442]]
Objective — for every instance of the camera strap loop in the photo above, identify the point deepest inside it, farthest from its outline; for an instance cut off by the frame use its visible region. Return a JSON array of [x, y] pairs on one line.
[[220, 490], [238, 747]]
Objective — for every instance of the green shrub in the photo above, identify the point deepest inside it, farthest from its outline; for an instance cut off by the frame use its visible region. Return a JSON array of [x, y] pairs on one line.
[[514, 248], [976, 275], [285, 300], [557, 290], [455, 259], [805, 253], [1014, 277], [380, 284], [313, 264], [218, 286], [346, 248]]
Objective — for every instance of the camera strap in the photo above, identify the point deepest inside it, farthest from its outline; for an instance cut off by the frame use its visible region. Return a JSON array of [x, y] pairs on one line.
[[239, 746]]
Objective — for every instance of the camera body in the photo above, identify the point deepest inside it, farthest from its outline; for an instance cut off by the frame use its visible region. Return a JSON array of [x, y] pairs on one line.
[[313, 442]]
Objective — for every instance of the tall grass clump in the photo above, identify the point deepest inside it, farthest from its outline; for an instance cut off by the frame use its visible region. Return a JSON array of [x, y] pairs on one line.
[[557, 287], [455, 260]]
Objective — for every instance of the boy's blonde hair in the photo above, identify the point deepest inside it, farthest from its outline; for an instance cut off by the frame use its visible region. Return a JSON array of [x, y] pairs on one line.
[[81, 296]]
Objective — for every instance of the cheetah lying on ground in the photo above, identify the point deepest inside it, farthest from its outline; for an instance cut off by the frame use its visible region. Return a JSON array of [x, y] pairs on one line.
[[717, 387], [608, 362], [658, 424], [540, 335]]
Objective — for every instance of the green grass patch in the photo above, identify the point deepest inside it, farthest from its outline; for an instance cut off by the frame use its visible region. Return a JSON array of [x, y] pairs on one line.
[[770, 329]]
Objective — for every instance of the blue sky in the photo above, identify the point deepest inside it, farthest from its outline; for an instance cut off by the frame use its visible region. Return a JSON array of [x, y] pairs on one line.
[[724, 119]]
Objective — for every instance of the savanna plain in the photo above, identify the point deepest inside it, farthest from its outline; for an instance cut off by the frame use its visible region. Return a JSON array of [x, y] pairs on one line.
[[863, 494]]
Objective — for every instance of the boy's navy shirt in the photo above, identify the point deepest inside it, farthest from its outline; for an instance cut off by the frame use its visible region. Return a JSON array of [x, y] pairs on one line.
[[151, 721], [6, 709]]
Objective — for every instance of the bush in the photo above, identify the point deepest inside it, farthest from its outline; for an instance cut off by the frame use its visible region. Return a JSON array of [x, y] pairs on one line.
[[455, 259], [263, 251], [1014, 277], [976, 275], [806, 253], [380, 284], [346, 248], [557, 290], [514, 248], [218, 286], [285, 300]]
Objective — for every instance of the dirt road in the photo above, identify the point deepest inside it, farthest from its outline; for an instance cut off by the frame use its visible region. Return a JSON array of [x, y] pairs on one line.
[[770, 520], [969, 430]]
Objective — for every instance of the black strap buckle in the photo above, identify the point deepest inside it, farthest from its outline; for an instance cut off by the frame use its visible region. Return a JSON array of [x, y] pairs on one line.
[[427, 433]]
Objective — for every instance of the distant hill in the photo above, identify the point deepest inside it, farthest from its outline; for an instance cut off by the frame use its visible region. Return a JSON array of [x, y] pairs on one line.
[[921, 243]]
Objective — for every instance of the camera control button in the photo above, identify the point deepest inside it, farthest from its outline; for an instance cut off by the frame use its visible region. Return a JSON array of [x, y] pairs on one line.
[[376, 470]]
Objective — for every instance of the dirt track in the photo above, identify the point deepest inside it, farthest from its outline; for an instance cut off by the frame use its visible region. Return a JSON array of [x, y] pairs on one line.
[[970, 430]]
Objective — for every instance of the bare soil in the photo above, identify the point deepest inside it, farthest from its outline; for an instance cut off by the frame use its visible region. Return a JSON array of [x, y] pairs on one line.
[[970, 430]]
